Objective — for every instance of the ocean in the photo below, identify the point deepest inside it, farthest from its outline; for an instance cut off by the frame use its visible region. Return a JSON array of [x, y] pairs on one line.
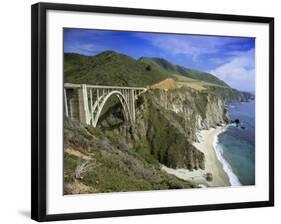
[[235, 146]]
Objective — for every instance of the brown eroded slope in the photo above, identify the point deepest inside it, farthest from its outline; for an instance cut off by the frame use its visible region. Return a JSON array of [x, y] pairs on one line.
[[168, 83]]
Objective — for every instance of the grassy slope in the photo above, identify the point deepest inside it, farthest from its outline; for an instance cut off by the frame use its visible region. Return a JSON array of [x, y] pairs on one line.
[[183, 81], [110, 68], [197, 80], [171, 68], [117, 166]]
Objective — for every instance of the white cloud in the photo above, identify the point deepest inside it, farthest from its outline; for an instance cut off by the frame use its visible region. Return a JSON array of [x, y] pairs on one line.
[[239, 72], [193, 46], [87, 49]]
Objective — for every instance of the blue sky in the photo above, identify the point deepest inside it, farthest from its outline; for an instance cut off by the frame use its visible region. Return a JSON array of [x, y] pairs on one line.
[[231, 59]]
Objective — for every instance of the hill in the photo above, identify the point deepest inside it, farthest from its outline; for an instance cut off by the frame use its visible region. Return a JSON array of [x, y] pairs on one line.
[[110, 68], [197, 80], [168, 67]]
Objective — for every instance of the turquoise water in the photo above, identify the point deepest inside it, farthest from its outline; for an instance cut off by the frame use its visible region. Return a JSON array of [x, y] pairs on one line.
[[238, 144]]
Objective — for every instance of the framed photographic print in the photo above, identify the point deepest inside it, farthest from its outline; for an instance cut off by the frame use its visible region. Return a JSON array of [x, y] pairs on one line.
[[139, 111]]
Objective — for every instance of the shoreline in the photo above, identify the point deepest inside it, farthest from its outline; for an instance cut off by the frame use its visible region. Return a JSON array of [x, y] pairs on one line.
[[213, 165], [233, 179]]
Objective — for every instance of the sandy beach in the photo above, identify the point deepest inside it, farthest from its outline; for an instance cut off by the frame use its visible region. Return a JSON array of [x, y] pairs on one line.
[[212, 164]]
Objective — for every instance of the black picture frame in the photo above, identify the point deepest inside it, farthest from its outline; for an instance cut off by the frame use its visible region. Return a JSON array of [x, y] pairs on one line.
[[39, 121]]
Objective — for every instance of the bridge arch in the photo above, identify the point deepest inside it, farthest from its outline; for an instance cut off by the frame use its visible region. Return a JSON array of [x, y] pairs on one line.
[[97, 109]]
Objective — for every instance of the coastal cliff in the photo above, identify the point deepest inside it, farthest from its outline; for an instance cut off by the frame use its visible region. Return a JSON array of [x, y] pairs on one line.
[[167, 122]]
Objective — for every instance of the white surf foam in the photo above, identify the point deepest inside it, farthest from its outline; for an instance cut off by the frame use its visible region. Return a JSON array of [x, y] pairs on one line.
[[234, 181]]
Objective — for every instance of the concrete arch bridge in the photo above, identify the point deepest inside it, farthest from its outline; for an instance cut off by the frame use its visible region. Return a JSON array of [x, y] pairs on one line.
[[84, 102]]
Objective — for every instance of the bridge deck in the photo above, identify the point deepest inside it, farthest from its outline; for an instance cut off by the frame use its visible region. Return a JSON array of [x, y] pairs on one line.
[[71, 85]]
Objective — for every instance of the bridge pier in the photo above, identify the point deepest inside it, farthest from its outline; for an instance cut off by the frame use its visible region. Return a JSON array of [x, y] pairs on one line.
[[84, 113]]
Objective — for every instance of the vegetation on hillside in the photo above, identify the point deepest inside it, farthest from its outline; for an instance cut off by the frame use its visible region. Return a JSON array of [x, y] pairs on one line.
[[110, 68], [171, 68], [96, 161]]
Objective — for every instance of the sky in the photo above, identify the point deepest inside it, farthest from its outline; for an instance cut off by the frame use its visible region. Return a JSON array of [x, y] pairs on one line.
[[231, 59]]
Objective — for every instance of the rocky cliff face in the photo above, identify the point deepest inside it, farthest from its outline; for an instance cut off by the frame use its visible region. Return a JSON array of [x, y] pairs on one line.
[[198, 110], [167, 122], [187, 110], [230, 95]]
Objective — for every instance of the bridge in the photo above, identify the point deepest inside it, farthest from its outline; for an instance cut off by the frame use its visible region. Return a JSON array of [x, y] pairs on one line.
[[84, 102]]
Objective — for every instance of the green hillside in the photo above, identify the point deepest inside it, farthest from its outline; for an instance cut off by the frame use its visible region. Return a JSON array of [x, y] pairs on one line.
[[166, 66], [110, 68]]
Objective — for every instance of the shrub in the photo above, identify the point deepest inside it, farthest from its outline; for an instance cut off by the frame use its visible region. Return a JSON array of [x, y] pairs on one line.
[[83, 168]]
